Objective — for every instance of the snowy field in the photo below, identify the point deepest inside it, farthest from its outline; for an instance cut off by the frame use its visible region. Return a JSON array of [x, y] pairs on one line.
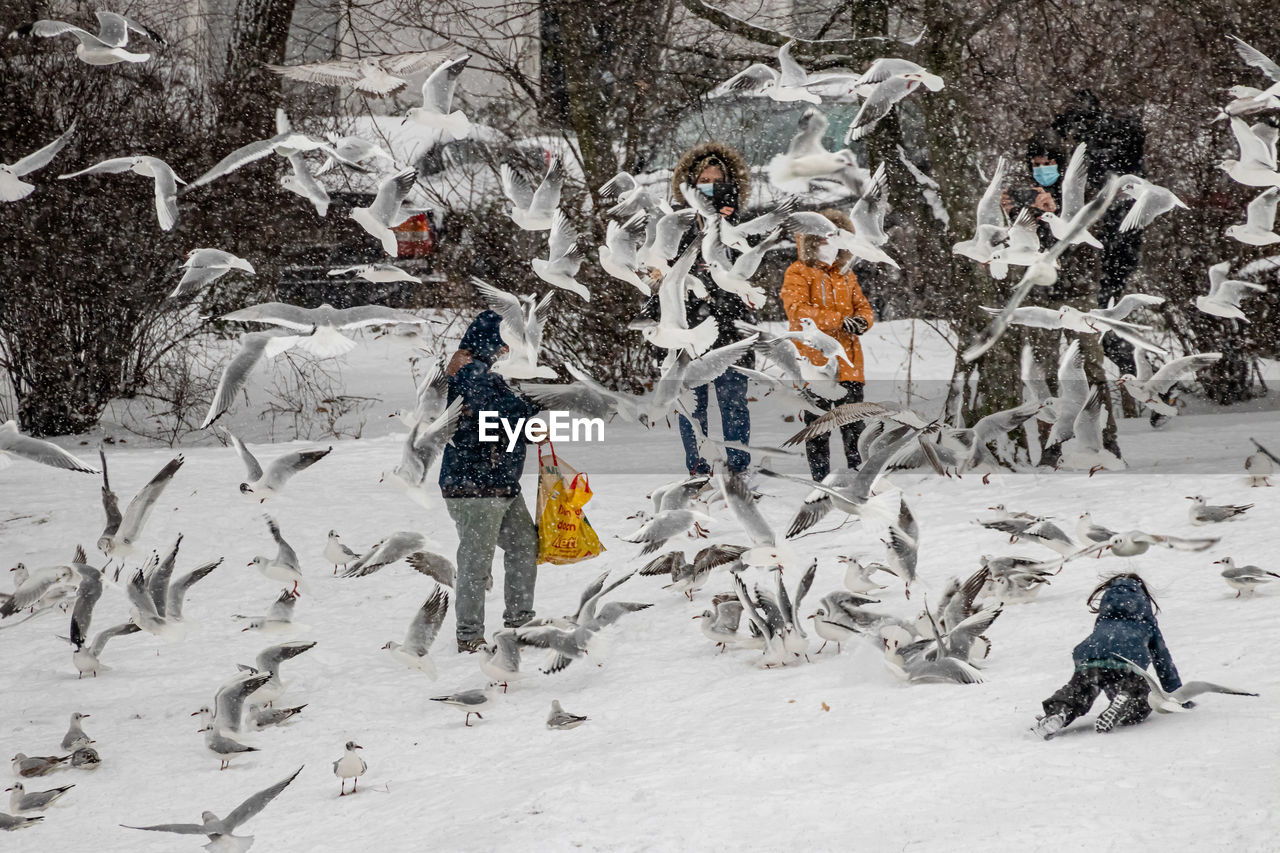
[[685, 748]]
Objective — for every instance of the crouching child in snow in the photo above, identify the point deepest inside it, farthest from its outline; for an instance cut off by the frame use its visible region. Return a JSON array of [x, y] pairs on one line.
[[1126, 628], [480, 482]]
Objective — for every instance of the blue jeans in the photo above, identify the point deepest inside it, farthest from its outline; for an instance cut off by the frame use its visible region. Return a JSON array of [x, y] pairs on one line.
[[735, 420]]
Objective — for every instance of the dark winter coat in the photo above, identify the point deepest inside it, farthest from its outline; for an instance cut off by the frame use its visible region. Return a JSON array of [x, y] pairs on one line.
[[1127, 627], [472, 468], [726, 308]]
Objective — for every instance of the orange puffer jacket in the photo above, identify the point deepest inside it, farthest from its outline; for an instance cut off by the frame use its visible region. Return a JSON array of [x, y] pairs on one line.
[[826, 297]]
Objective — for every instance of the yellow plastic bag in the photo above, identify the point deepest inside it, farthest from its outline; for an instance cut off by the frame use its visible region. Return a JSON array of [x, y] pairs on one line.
[[564, 534]]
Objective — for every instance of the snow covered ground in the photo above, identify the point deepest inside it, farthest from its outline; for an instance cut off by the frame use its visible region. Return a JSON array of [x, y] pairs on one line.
[[686, 748]]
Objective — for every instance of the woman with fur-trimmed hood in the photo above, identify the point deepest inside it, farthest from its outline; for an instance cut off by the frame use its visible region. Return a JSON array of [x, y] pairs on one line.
[[815, 288], [721, 173]]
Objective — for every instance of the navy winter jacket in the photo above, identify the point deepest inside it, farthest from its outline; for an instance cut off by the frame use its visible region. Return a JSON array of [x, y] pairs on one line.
[[472, 468], [1127, 627]]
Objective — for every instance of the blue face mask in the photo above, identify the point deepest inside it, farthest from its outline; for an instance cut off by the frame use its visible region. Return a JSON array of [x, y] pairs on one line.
[[1046, 176], [707, 189]]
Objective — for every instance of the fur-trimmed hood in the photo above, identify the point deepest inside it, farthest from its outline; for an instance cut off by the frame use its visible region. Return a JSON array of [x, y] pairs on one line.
[[807, 246], [697, 158]]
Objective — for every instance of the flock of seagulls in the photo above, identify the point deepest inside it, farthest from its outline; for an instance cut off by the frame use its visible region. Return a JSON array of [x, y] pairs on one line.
[[760, 609]]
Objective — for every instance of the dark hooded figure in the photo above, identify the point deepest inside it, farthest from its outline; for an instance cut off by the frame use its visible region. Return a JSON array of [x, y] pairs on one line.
[[1126, 628], [480, 482], [722, 175]]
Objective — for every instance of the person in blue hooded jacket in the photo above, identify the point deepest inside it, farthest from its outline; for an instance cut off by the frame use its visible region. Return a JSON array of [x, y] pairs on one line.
[[480, 482], [1126, 628]]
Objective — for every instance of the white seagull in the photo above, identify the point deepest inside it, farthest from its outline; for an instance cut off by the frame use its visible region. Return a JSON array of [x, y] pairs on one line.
[[320, 326], [1223, 299], [267, 484], [204, 267], [1260, 221], [521, 329], [166, 182], [14, 444], [377, 76], [423, 631], [12, 188], [105, 48], [564, 257], [437, 97], [533, 210], [387, 210]]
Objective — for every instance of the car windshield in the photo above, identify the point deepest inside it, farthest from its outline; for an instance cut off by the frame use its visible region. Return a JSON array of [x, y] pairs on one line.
[[758, 127]]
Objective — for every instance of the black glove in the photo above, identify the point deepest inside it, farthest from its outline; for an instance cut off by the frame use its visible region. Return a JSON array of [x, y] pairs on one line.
[[855, 325]]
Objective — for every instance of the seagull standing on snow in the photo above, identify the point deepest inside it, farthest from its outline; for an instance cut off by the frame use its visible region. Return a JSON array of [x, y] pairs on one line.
[[278, 620], [75, 736], [337, 553], [36, 801], [12, 188], [559, 718], [1244, 578], [267, 484], [105, 48], [1260, 465], [437, 97], [1202, 512], [350, 766], [166, 182], [469, 701]]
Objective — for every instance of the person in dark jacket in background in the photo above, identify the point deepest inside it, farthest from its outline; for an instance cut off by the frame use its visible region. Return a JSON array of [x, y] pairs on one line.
[[1076, 285], [480, 482], [720, 172], [1126, 628], [1115, 143]]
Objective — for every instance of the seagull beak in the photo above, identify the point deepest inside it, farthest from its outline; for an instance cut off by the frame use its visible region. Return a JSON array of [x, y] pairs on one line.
[[86, 716], [242, 630], [699, 616], [196, 714], [358, 746], [249, 564]]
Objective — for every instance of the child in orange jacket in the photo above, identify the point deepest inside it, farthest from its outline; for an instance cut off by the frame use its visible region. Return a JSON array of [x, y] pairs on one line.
[[815, 288]]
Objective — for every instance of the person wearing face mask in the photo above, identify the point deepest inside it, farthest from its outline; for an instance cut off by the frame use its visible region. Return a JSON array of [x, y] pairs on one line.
[[720, 173], [1077, 283], [816, 287]]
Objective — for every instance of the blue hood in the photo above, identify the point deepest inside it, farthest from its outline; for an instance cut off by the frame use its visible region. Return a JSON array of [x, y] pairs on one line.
[[482, 339], [1124, 599]]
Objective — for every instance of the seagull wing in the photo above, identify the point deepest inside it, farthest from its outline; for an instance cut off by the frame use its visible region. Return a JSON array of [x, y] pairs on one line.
[[434, 566], [237, 372], [281, 469], [253, 469], [333, 73], [1261, 213], [277, 313], [179, 828], [1073, 182], [391, 195], [989, 210], [242, 156], [515, 187], [547, 196], [256, 803], [285, 555], [878, 104], [42, 157], [88, 592], [502, 302], [438, 88], [754, 80], [177, 592], [426, 623], [113, 166], [100, 641], [139, 509], [44, 452], [1257, 59], [1174, 371]]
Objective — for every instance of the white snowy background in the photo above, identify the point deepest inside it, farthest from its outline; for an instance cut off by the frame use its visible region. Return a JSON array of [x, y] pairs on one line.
[[685, 747]]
